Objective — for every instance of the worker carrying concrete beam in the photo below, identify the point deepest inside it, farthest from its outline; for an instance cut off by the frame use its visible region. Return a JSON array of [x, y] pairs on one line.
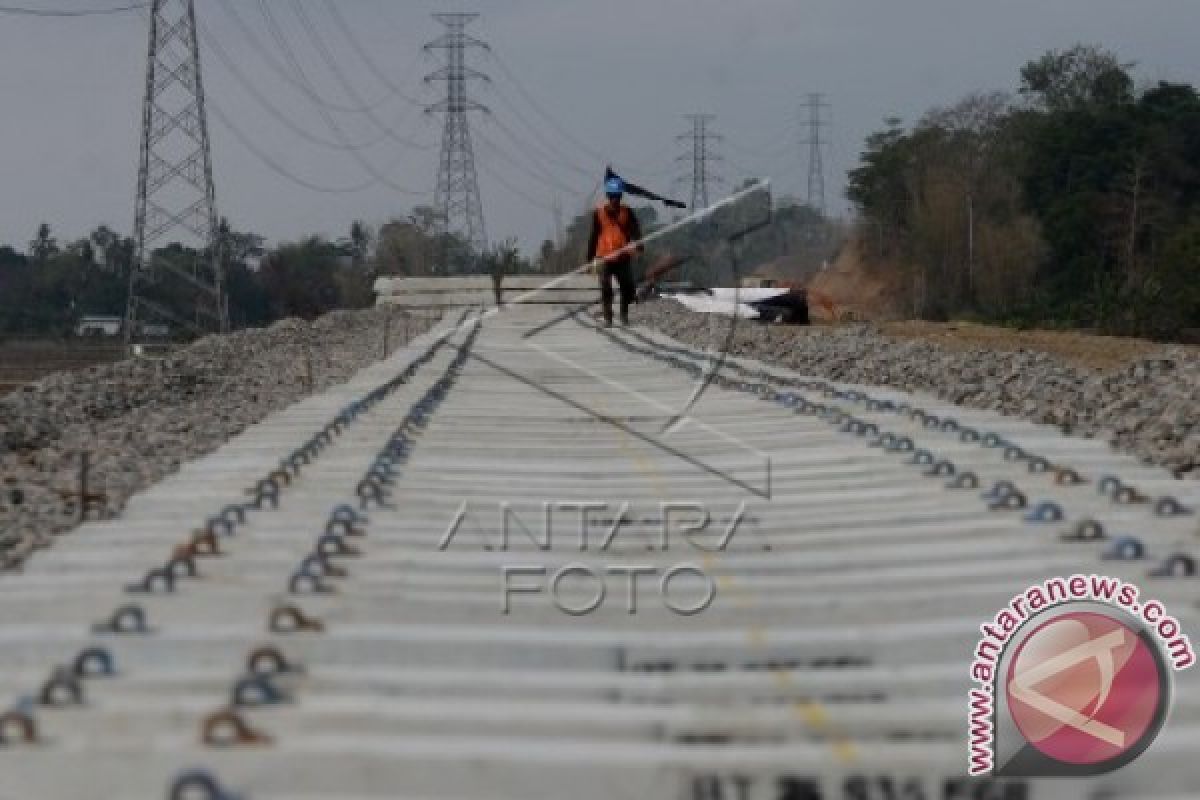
[[615, 240]]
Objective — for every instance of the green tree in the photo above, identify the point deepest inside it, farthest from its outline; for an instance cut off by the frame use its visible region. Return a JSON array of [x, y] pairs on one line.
[[359, 242], [300, 278], [44, 246], [1081, 78]]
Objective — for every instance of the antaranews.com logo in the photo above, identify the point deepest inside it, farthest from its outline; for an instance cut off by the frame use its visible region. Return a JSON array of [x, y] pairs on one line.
[[1074, 679]]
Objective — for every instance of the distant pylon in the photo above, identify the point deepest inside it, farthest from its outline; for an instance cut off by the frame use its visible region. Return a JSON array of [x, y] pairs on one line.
[[814, 126], [457, 198], [701, 156], [175, 192], [557, 210]]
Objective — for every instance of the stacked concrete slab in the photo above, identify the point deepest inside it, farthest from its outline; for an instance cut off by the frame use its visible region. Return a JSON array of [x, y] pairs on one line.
[[473, 291]]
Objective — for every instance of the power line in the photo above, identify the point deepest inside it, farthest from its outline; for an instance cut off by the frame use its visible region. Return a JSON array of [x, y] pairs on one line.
[[347, 84], [742, 168], [510, 187], [267, 105], [533, 165], [356, 44], [640, 168], [542, 112], [766, 153], [247, 141], [330, 122], [550, 150], [584, 197], [521, 168], [264, 52], [89, 12]]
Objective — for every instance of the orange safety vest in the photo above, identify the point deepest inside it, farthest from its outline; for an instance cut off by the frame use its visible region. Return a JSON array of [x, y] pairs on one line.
[[613, 235]]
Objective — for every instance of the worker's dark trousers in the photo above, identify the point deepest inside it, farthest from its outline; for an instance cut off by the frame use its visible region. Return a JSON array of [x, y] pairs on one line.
[[623, 272]]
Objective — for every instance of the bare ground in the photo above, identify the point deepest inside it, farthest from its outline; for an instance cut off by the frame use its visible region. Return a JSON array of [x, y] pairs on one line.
[[1103, 353]]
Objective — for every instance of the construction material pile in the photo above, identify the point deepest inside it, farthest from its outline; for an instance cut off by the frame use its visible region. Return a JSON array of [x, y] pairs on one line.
[[1150, 406], [139, 419], [786, 305]]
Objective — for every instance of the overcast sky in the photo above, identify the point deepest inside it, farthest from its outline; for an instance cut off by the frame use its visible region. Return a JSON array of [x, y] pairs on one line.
[[615, 75]]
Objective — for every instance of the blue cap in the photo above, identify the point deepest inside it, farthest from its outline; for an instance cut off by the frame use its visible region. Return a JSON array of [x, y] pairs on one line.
[[614, 187]]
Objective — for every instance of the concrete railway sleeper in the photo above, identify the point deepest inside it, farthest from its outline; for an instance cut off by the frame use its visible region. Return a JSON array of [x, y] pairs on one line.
[[964, 468], [334, 649], [66, 685], [318, 573]]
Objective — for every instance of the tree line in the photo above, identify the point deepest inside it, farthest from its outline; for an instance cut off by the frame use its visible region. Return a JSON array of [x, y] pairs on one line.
[[48, 285], [1074, 201]]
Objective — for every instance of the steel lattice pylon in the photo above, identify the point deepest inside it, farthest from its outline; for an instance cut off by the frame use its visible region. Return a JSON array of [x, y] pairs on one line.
[[457, 198], [175, 192], [700, 157], [815, 125]]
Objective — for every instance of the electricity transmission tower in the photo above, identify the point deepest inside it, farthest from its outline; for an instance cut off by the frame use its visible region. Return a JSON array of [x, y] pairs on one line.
[[815, 124], [457, 197], [175, 186], [700, 156]]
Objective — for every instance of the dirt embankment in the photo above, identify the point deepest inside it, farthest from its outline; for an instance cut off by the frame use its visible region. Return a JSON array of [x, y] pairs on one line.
[[140, 419], [24, 361], [1140, 396], [1074, 347], [854, 289]]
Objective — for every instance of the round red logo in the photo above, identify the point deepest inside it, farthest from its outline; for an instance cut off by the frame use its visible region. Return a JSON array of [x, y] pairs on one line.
[[1086, 689]]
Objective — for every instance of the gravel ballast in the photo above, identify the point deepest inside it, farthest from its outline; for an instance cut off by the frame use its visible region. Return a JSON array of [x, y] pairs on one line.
[[1150, 406], [140, 419]]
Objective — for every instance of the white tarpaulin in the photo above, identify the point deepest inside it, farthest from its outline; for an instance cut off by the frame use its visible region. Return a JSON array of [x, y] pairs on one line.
[[704, 304], [726, 301]]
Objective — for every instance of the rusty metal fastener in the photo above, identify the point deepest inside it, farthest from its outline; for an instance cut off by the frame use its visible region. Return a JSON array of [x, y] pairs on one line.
[[922, 458], [319, 565], [942, 468], [227, 728], [290, 619], [1014, 453], [1065, 476], [266, 491], [301, 583], [161, 577], [126, 619], [1177, 565], [330, 544], [270, 660], [198, 785], [219, 525], [256, 691], [1127, 495], [19, 723], [61, 689], [95, 662], [1012, 501], [1170, 507], [965, 480], [1039, 464], [181, 566], [204, 544], [1087, 530], [337, 527]]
